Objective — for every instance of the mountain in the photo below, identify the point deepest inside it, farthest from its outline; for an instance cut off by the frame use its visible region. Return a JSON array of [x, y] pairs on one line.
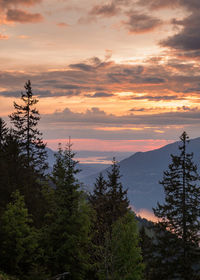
[[142, 171]]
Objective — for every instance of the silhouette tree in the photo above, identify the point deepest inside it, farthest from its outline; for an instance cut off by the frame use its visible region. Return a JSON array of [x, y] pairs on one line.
[[67, 235], [25, 120], [179, 226], [3, 132]]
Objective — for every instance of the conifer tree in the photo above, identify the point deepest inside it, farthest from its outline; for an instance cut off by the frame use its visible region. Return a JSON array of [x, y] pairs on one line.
[[18, 239], [117, 197], [110, 203], [25, 120], [179, 226], [13, 174], [3, 132], [99, 202], [67, 235]]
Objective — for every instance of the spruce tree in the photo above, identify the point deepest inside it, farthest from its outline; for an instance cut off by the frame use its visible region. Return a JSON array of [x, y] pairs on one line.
[[13, 174], [18, 239], [99, 202], [3, 132], [117, 197], [110, 203], [67, 235], [25, 120], [179, 226]]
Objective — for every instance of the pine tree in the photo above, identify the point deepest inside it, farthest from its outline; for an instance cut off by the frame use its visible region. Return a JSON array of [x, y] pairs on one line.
[[3, 132], [117, 197], [146, 244], [179, 226], [110, 203], [25, 120], [13, 174], [99, 202], [67, 235], [18, 239]]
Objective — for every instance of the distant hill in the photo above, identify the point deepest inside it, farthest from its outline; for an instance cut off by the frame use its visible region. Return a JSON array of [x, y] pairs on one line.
[[142, 171]]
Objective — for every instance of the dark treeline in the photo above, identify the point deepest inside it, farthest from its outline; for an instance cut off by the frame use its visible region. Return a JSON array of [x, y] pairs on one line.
[[50, 226]]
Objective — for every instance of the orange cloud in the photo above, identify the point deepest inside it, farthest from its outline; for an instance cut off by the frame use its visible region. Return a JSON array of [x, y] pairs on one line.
[[62, 24], [3, 37]]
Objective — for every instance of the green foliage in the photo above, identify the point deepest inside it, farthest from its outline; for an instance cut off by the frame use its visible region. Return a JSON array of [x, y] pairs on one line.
[[4, 276], [122, 254], [117, 197], [18, 238], [110, 204], [179, 224], [67, 234]]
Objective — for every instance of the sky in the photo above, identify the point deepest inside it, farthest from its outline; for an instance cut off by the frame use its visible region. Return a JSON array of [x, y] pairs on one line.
[[116, 75]]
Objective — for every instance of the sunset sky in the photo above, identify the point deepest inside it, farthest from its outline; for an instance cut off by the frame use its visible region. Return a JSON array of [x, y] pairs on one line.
[[114, 75]]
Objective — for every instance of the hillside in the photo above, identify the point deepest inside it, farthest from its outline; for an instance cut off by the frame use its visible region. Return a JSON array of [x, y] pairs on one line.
[[142, 171]]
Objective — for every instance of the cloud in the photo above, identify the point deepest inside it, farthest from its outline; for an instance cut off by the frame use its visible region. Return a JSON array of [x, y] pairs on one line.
[[140, 23], [82, 66], [9, 11], [42, 93], [191, 5], [3, 37], [8, 3], [188, 38], [22, 16], [62, 24], [105, 10], [157, 97], [100, 94], [97, 116]]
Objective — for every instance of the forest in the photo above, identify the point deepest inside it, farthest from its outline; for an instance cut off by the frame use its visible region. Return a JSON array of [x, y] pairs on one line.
[[51, 228]]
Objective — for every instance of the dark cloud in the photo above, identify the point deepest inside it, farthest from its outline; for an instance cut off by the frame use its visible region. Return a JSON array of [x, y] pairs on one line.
[[188, 38], [105, 10], [100, 94], [21, 16], [159, 81], [138, 109], [82, 66], [191, 5], [188, 109], [157, 97], [140, 23], [97, 116], [42, 93]]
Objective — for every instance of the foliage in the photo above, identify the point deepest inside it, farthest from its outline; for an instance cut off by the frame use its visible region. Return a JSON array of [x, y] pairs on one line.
[[18, 238], [25, 120], [67, 235], [3, 132], [124, 260], [179, 224]]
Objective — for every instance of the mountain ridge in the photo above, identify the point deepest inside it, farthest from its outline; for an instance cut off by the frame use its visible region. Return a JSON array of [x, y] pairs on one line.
[[142, 171]]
